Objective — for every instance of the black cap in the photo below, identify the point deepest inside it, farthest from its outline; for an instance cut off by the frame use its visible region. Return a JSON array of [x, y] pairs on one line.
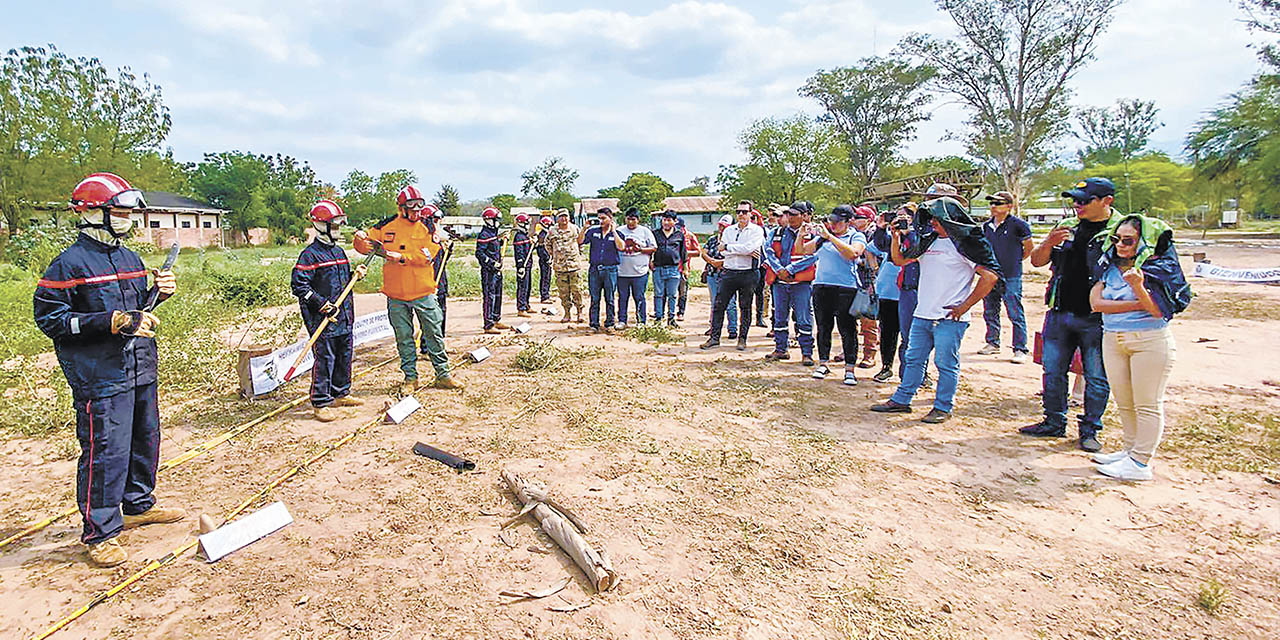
[[670, 214], [801, 206], [633, 213], [1091, 188], [842, 213]]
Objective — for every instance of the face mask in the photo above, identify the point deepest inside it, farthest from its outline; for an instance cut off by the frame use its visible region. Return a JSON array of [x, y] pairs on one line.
[[121, 225], [326, 232]]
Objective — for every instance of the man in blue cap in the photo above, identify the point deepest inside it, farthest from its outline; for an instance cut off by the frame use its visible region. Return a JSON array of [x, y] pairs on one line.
[[1070, 324]]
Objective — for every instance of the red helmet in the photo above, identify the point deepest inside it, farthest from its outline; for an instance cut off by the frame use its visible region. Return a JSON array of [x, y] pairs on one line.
[[522, 218], [326, 211], [490, 213], [865, 212], [431, 211], [546, 221], [105, 190], [411, 197]]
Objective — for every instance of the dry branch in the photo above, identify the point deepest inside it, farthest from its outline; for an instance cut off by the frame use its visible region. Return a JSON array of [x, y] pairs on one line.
[[596, 565]]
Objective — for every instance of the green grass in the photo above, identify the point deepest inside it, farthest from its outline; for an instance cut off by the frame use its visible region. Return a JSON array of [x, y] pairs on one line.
[[656, 333], [1223, 439], [1213, 596]]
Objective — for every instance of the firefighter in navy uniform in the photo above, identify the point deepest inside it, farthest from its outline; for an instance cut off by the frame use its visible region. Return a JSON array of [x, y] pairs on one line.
[[319, 277], [91, 302], [544, 260], [433, 217], [522, 249], [489, 255]]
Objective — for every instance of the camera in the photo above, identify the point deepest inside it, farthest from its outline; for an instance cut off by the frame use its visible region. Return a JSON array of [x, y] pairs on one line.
[[902, 224]]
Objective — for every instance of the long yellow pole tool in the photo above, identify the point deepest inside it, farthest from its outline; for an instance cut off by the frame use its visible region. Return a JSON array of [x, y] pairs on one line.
[[177, 553], [189, 454], [324, 324]]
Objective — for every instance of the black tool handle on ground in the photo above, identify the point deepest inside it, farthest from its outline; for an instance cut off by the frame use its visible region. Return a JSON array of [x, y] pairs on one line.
[[460, 464]]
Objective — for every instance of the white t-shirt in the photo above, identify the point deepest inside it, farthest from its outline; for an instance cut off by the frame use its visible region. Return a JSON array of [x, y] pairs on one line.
[[946, 279], [635, 263]]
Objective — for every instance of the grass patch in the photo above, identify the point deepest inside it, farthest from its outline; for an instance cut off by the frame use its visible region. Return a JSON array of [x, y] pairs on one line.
[[1260, 308], [542, 355], [655, 333], [1231, 440], [1213, 596], [816, 454]]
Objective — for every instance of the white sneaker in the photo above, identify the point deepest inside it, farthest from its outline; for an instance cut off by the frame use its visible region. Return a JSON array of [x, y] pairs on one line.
[[1019, 357], [1108, 458], [1125, 469], [988, 350], [821, 372], [850, 379]]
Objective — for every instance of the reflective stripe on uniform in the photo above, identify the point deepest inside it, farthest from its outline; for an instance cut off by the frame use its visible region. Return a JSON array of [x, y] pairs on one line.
[[74, 282]]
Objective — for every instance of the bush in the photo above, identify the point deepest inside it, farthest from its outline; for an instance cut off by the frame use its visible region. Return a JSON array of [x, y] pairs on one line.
[[34, 247]]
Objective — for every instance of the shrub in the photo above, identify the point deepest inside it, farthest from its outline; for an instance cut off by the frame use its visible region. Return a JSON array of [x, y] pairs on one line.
[[34, 247]]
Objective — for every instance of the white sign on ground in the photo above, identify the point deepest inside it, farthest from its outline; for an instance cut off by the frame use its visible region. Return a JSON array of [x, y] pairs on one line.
[[243, 532], [268, 370], [402, 409], [1205, 270]]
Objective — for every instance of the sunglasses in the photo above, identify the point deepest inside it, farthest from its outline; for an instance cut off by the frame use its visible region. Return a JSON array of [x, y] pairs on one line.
[[744, 211], [1124, 241], [415, 203], [1083, 201], [131, 199]]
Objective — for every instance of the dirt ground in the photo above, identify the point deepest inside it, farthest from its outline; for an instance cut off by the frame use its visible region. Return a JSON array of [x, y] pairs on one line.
[[738, 499]]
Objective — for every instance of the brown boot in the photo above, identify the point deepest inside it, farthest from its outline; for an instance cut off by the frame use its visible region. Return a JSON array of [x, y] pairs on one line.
[[348, 401], [324, 414], [408, 386], [492, 330], [501, 325], [107, 553], [446, 382], [154, 515], [523, 314], [565, 319]]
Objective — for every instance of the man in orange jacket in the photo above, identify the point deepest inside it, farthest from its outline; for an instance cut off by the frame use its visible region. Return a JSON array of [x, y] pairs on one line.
[[410, 245]]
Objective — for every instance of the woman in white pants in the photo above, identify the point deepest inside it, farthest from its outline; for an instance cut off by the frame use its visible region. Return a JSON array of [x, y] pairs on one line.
[[1138, 351]]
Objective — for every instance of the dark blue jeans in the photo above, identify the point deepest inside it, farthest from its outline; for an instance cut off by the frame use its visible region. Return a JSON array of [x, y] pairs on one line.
[[1064, 333], [906, 313], [794, 300], [1009, 292], [602, 282], [632, 288]]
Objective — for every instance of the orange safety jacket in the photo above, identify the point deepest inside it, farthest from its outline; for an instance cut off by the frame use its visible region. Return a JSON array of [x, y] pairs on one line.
[[783, 255], [414, 275]]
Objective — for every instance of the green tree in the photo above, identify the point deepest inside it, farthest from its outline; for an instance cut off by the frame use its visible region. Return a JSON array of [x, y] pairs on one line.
[[504, 202], [700, 186], [258, 190], [787, 159], [1116, 134], [552, 182], [645, 191], [1238, 144], [1264, 16], [447, 199], [876, 106], [1009, 66], [1157, 185], [62, 118]]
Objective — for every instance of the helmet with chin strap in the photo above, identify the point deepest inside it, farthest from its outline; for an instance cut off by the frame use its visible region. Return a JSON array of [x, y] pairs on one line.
[[327, 217], [411, 202], [105, 191], [491, 216], [522, 218]]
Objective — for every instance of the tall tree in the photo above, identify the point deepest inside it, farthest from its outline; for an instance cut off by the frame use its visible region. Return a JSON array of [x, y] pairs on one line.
[[1009, 66], [550, 181], [64, 117], [875, 105], [1264, 16], [259, 190], [1116, 134], [700, 186], [1239, 143], [643, 190], [787, 158], [447, 199]]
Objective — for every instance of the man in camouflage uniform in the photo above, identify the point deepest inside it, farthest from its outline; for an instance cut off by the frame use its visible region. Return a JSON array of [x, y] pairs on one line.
[[563, 238]]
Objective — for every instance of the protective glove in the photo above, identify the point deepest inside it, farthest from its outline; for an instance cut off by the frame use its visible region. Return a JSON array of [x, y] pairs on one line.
[[361, 271], [520, 273], [166, 282], [329, 309], [134, 323]]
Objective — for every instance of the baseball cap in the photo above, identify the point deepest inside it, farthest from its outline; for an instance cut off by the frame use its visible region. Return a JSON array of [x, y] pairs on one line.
[[841, 213], [801, 206], [725, 220], [670, 214], [1001, 197], [562, 212], [1091, 188]]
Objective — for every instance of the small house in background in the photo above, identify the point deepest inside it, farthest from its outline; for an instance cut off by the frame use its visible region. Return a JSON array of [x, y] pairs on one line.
[[465, 226], [1047, 209], [699, 213], [586, 208], [170, 217]]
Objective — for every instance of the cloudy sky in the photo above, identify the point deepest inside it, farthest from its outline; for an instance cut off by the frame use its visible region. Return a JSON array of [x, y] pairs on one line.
[[473, 92]]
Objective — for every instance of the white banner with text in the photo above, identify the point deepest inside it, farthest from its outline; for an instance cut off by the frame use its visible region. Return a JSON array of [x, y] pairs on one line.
[[267, 371]]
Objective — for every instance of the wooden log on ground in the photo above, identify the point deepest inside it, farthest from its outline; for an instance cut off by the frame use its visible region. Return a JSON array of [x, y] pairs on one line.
[[596, 565]]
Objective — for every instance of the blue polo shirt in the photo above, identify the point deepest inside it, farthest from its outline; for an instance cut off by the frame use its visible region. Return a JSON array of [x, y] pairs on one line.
[[603, 251], [1006, 240]]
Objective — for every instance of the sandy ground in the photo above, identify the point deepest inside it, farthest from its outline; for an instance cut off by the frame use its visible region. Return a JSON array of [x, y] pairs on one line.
[[738, 499]]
